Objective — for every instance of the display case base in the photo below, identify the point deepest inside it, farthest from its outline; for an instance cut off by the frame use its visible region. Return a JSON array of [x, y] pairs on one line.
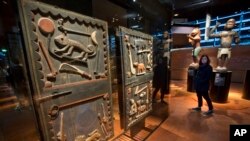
[[246, 87], [168, 81], [191, 78], [220, 86]]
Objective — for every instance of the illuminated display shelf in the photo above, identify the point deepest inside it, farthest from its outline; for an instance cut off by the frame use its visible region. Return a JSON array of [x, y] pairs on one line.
[[242, 27]]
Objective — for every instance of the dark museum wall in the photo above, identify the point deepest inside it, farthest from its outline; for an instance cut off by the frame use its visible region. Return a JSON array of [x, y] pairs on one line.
[[109, 12], [239, 62]]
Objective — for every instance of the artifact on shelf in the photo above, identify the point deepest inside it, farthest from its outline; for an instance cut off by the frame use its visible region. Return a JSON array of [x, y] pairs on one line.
[[194, 39], [226, 38]]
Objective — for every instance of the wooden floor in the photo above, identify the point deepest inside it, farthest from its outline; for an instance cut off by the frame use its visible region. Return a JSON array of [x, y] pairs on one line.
[[16, 124], [184, 125]]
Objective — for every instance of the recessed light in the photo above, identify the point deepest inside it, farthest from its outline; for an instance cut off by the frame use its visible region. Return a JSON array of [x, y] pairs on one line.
[[4, 2]]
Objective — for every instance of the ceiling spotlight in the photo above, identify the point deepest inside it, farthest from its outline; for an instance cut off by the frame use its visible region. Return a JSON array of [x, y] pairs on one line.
[[176, 14], [4, 2], [134, 0]]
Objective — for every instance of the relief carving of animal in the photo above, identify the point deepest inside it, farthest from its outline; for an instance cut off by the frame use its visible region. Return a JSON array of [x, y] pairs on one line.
[[140, 67], [67, 46]]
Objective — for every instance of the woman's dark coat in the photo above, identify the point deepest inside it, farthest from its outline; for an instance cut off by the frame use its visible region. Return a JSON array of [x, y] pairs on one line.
[[202, 78]]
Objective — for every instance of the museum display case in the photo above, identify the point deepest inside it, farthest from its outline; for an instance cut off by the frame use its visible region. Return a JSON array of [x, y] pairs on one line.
[[69, 67], [237, 68], [83, 70], [136, 72]]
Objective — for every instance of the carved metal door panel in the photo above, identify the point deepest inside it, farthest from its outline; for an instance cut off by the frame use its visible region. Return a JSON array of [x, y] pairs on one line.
[[68, 61], [135, 93]]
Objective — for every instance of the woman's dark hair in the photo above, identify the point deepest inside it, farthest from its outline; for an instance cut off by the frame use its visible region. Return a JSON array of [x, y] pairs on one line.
[[208, 60]]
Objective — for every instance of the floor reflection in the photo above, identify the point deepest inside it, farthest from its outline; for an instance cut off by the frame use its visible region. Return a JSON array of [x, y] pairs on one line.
[[17, 120], [183, 125]]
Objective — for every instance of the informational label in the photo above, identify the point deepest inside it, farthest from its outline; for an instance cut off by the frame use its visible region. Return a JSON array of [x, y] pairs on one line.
[[219, 80], [191, 72]]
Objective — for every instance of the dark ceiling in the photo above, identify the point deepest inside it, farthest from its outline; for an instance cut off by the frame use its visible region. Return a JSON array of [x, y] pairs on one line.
[[190, 9], [158, 13], [161, 12], [196, 9]]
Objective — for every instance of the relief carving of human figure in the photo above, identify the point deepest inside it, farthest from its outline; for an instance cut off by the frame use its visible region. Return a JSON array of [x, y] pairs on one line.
[[194, 39], [226, 38]]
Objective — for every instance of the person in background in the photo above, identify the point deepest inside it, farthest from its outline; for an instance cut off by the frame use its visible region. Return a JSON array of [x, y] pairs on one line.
[[166, 43], [202, 81], [19, 83], [160, 66]]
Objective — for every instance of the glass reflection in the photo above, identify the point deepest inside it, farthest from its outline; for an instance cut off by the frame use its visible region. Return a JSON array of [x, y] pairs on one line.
[[17, 118]]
